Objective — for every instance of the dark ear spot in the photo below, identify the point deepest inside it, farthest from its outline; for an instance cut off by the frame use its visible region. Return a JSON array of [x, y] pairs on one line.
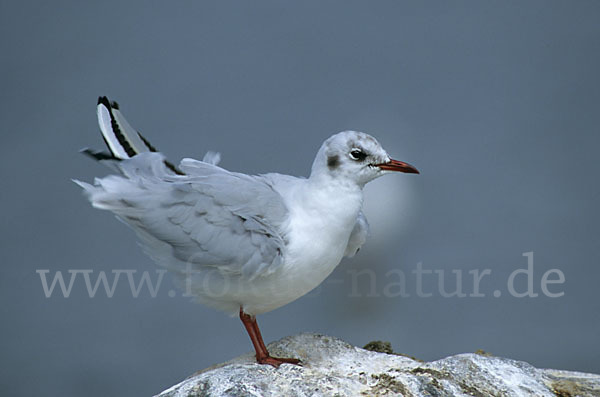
[[333, 162]]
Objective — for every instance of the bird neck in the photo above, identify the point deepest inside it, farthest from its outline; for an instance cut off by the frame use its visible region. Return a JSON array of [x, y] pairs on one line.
[[340, 196], [321, 178]]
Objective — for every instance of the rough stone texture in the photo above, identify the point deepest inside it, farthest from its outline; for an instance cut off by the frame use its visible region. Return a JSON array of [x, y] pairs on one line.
[[332, 367]]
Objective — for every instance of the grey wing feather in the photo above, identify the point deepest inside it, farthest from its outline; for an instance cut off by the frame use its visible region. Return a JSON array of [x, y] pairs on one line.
[[208, 218], [358, 236]]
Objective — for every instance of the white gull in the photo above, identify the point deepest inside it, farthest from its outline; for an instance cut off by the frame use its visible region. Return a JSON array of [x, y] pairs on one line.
[[240, 243]]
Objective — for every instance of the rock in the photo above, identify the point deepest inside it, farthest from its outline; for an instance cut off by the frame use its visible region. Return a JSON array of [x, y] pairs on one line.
[[332, 367], [379, 347]]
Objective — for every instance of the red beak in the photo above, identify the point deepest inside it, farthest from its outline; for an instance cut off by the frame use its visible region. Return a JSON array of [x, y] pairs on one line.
[[400, 166]]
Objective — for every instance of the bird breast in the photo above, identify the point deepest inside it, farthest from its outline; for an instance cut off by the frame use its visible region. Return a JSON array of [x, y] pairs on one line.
[[320, 223]]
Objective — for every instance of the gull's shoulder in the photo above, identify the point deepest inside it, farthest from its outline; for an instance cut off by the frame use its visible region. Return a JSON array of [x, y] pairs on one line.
[[281, 183]]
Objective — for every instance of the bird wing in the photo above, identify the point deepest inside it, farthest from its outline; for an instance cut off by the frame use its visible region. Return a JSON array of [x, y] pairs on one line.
[[122, 140], [358, 236], [207, 218]]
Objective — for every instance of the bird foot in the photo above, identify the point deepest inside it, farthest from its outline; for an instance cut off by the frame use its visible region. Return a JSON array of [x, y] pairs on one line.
[[277, 361]]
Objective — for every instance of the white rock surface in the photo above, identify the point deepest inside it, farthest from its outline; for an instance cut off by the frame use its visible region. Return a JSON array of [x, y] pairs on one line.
[[332, 367]]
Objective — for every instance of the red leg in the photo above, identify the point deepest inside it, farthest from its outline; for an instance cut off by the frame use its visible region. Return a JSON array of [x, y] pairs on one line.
[[262, 354]]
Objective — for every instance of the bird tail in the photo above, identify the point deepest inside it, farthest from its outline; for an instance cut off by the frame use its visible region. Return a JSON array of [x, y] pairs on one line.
[[120, 137]]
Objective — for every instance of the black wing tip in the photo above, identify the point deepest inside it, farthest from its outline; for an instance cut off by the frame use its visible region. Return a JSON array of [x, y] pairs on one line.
[[98, 156], [103, 100], [148, 144], [172, 167]]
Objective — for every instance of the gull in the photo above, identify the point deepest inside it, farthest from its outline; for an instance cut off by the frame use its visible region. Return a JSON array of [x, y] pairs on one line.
[[243, 244]]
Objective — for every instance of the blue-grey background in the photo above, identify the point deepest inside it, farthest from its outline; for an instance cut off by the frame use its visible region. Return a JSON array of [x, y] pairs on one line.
[[497, 103]]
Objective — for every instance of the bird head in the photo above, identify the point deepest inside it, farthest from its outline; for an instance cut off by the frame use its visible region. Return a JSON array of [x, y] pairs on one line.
[[357, 157]]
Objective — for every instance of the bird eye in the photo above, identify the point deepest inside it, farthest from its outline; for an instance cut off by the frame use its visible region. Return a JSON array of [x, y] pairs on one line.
[[357, 154]]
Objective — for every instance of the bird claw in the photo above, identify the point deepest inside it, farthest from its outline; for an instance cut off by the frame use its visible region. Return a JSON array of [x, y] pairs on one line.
[[277, 361]]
